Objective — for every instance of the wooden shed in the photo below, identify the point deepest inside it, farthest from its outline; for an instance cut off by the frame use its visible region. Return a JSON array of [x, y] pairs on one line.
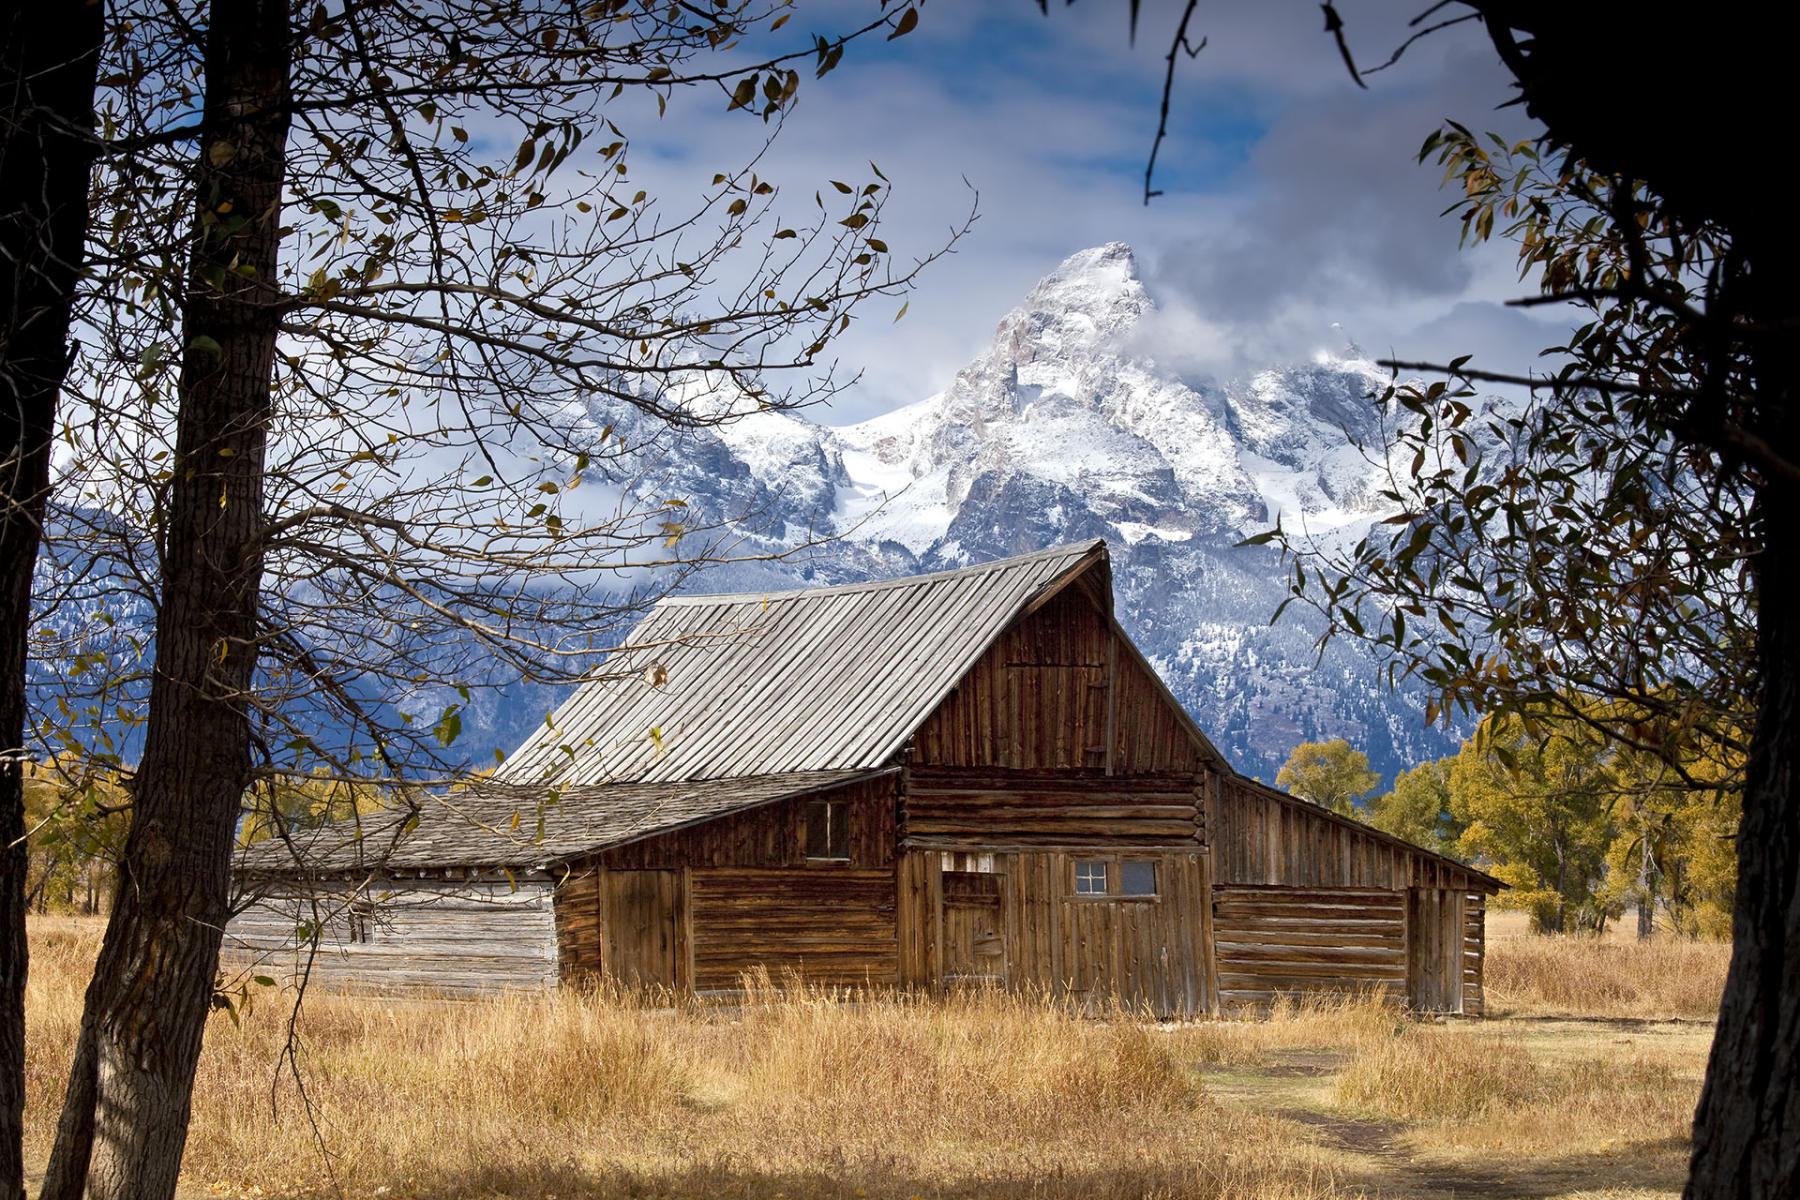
[[967, 776]]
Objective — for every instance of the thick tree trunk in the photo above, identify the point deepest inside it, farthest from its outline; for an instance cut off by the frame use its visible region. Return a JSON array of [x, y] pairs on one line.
[[1747, 1126], [125, 1115], [48, 60]]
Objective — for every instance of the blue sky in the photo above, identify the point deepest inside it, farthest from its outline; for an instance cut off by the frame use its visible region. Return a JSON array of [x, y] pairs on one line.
[[1292, 199]]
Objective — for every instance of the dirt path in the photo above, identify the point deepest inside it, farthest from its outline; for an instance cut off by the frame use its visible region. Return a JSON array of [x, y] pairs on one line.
[[1395, 1160]]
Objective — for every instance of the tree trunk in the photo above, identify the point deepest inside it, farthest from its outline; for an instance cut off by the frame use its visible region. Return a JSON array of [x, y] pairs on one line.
[[48, 60], [125, 1115], [1747, 1126]]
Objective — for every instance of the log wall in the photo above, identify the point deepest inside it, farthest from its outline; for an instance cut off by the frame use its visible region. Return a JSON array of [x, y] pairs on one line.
[[1059, 690], [988, 810], [406, 936], [827, 927], [1274, 940]]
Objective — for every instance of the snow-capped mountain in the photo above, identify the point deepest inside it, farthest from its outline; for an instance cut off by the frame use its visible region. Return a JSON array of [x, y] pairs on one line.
[[1059, 431]]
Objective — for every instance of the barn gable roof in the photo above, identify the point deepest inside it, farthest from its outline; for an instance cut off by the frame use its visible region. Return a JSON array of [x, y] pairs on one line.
[[819, 679], [519, 827]]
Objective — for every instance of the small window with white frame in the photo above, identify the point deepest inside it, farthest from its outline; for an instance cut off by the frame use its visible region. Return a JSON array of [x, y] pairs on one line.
[[828, 830], [1115, 878]]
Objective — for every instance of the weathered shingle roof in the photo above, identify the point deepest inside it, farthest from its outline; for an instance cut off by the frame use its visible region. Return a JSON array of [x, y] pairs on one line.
[[821, 679], [518, 827]]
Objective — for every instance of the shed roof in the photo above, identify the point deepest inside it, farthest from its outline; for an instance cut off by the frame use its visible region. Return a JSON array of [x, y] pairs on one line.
[[819, 679], [524, 826]]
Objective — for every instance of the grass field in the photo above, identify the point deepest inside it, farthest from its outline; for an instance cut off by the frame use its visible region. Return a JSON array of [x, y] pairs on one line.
[[793, 1095]]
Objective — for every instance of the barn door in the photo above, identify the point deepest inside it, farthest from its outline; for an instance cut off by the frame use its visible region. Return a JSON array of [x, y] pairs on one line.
[[639, 948], [974, 921], [1434, 949]]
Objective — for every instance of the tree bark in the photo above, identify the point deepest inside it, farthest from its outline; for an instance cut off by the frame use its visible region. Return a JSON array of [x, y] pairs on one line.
[[125, 1115], [48, 61], [1747, 1126]]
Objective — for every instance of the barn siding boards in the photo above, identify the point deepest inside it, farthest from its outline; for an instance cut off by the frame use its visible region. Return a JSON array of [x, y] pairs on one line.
[[771, 835], [825, 927], [1437, 927], [426, 937], [1269, 837], [1062, 689], [1313, 871], [1092, 950], [916, 914], [580, 918]]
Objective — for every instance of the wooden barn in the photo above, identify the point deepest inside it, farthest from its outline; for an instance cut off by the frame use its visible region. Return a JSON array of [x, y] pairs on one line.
[[968, 776]]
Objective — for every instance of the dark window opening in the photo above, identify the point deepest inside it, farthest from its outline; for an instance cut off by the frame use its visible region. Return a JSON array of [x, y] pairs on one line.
[[1137, 878], [828, 830], [359, 919]]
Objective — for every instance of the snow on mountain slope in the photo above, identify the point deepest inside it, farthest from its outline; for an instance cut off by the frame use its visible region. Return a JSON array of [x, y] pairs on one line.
[[1060, 431]]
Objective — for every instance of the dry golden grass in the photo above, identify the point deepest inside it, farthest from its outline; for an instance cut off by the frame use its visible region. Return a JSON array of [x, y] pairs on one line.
[[1495, 1087], [797, 1093], [794, 1094], [1562, 976], [1327, 1022]]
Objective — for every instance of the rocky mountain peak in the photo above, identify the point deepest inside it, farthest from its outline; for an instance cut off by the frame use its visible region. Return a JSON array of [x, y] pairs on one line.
[[1061, 430]]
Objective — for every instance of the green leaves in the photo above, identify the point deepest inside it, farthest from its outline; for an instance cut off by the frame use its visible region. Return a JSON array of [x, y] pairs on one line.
[[449, 725]]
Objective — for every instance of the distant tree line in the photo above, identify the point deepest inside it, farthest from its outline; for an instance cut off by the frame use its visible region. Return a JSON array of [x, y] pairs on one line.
[[1579, 828], [77, 816]]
